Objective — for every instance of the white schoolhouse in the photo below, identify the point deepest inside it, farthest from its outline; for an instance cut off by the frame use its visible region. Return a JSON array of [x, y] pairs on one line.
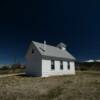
[[45, 60]]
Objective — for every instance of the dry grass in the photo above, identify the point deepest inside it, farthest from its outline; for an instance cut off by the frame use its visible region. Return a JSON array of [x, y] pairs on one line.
[[82, 86]]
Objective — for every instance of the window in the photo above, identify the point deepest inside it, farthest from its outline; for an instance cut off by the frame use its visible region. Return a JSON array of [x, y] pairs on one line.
[[69, 65], [61, 65], [52, 64], [32, 51]]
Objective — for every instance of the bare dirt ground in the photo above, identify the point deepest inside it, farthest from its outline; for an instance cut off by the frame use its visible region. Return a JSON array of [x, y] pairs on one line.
[[9, 75], [82, 86]]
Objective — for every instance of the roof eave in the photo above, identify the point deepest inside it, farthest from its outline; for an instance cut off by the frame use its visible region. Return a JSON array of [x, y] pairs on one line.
[[58, 58]]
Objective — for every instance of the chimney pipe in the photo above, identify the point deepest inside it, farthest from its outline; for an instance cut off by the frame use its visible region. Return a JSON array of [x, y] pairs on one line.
[[44, 46]]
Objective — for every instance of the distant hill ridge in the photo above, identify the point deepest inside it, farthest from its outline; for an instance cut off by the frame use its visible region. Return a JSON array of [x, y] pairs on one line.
[[91, 60]]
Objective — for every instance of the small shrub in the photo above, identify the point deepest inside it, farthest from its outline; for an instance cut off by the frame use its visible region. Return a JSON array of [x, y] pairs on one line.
[[4, 68]]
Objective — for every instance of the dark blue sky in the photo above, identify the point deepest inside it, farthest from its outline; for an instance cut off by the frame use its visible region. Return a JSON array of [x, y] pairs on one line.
[[74, 22]]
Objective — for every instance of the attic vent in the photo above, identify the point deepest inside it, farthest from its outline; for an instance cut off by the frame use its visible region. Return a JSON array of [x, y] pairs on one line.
[[61, 46]]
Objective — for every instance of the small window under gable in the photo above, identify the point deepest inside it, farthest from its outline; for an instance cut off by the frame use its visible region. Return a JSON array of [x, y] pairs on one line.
[[68, 65], [61, 65], [52, 64], [33, 51]]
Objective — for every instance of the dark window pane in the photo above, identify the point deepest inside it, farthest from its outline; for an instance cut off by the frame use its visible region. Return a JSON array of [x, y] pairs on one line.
[[69, 65], [61, 65], [52, 65]]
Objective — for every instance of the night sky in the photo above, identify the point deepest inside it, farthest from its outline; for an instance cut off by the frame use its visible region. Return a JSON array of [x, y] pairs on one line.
[[74, 22]]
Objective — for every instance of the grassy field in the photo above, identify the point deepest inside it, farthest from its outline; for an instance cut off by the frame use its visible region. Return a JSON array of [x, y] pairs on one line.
[[82, 86]]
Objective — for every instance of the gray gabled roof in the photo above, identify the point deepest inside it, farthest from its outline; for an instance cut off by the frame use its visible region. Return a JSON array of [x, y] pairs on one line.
[[53, 52]]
